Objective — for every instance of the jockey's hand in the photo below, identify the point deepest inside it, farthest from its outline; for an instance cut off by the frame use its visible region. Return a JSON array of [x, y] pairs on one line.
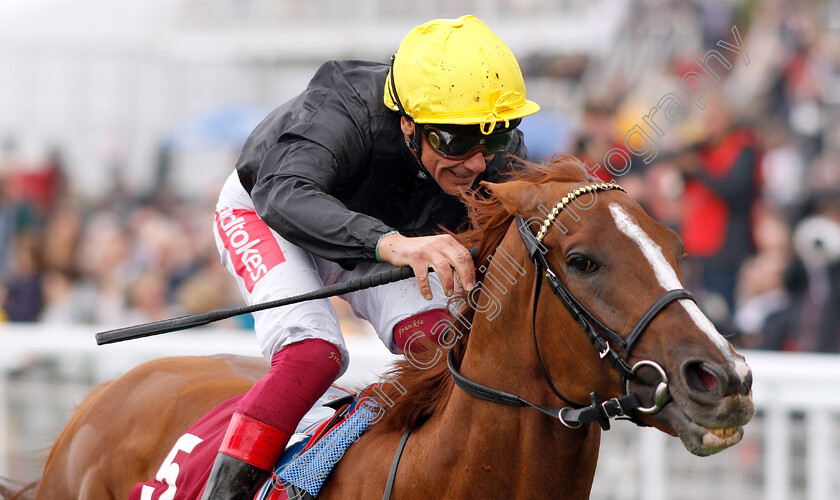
[[450, 260]]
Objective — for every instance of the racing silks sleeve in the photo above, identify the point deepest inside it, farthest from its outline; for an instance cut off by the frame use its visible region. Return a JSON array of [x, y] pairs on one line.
[[295, 202]]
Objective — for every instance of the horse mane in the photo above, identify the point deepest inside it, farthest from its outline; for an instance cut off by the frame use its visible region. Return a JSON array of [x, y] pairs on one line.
[[418, 392]]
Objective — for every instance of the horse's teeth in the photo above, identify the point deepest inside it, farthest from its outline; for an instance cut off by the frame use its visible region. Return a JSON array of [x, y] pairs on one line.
[[723, 432]]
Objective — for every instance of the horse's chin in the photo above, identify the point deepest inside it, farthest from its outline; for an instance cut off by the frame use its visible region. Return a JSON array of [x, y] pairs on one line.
[[704, 439]]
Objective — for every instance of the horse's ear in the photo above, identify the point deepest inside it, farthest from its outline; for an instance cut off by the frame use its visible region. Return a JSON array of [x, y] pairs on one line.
[[518, 197]]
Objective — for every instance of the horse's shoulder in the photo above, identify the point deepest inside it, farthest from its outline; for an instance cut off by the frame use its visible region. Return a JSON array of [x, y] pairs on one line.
[[170, 387]]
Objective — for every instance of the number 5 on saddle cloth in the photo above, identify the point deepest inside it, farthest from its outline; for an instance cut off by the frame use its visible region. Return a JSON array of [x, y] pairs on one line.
[[323, 435]]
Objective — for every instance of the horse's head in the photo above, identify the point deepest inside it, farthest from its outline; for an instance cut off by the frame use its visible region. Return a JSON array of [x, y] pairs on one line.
[[618, 264]]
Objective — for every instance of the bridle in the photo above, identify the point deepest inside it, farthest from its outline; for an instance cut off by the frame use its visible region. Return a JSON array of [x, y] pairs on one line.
[[600, 336]]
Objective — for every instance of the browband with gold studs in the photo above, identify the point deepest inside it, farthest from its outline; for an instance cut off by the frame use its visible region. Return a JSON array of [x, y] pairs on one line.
[[591, 188]]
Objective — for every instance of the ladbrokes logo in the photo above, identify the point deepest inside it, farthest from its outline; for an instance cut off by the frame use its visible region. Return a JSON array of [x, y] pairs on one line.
[[252, 247]]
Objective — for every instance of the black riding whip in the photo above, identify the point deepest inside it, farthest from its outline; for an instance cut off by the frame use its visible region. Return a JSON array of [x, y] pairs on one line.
[[199, 319]]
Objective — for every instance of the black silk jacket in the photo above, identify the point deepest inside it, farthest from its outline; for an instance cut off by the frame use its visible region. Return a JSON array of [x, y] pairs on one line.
[[330, 171]]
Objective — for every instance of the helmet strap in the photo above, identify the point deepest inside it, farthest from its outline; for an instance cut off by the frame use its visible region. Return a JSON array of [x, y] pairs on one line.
[[392, 91], [415, 143]]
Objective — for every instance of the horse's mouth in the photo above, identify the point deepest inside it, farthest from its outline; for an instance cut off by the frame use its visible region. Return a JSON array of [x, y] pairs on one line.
[[703, 439]]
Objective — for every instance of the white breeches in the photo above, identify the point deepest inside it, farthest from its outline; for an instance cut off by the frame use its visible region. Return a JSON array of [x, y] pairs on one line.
[[267, 267]]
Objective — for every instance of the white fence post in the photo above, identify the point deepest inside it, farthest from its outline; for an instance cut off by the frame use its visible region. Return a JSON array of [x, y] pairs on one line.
[[777, 454], [820, 463], [653, 484], [4, 425]]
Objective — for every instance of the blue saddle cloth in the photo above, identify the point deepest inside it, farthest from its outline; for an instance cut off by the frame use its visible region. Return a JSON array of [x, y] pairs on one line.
[[304, 468]]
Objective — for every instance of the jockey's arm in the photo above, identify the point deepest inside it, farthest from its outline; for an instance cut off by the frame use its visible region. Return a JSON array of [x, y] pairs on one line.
[[295, 203], [294, 200]]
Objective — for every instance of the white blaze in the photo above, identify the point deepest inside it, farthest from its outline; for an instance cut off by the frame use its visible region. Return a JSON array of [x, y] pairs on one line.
[[665, 274]]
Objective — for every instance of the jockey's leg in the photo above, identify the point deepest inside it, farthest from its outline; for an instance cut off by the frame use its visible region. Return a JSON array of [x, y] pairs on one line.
[[268, 415], [431, 325], [303, 342], [398, 312]]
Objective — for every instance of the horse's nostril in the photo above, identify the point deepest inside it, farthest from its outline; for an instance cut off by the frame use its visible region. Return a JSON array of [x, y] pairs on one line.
[[707, 378], [700, 378]]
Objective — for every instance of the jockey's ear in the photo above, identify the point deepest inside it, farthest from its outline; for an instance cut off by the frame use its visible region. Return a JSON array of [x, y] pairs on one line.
[[518, 197]]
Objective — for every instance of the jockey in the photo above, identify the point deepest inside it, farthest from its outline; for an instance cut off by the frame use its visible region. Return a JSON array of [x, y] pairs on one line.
[[352, 176]]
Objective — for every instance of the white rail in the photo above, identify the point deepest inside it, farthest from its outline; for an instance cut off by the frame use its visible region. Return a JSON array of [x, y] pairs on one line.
[[791, 449]]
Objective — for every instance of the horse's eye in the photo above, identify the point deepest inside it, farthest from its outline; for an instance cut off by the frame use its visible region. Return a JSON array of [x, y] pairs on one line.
[[581, 264]]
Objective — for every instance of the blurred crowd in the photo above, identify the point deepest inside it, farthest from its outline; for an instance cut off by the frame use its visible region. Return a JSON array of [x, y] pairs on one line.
[[120, 260], [125, 259], [751, 182]]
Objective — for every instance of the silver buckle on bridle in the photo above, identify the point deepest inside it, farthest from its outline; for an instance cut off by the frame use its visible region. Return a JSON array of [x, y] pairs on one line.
[[619, 413], [563, 421]]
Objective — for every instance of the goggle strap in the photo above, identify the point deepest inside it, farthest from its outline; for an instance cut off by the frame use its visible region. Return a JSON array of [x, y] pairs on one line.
[[415, 143], [392, 91]]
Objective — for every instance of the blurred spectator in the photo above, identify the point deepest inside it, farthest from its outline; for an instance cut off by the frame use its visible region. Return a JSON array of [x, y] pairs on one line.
[[17, 216], [595, 133], [811, 322], [784, 184], [718, 200], [23, 298], [103, 261], [665, 186], [204, 290], [42, 183], [148, 300], [67, 299], [208, 289], [761, 289], [824, 177], [62, 234], [7, 228], [598, 133]]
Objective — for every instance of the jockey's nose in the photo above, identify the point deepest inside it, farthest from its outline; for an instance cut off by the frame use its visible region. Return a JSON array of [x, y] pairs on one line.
[[477, 162]]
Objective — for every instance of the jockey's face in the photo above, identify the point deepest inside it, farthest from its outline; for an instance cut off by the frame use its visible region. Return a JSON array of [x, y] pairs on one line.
[[454, 176]]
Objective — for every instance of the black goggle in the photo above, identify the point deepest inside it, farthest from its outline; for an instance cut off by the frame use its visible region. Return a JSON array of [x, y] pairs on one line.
[[458, 146]]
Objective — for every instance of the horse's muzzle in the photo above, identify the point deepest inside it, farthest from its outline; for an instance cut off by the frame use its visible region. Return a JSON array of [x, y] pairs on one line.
[[708, 382]]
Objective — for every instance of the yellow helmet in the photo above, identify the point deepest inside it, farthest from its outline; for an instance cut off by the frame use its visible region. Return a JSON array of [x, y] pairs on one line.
[[457, 72]]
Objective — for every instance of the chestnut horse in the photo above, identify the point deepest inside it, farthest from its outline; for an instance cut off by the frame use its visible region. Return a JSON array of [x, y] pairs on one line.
[[568, 261]]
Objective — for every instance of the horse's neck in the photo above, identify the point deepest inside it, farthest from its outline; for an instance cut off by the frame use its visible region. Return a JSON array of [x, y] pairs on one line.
[[508, 448], [501, 451]]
